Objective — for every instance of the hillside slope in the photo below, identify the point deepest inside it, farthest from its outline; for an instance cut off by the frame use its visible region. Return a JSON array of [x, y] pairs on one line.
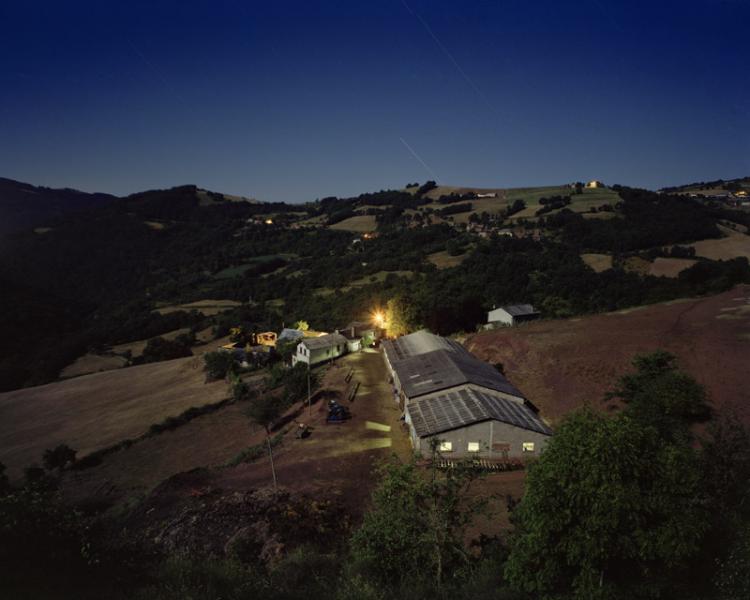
[[23, 206], [561, 365]]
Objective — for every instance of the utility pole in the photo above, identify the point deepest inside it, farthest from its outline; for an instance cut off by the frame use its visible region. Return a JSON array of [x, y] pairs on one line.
[[270, 453], [309, 406]]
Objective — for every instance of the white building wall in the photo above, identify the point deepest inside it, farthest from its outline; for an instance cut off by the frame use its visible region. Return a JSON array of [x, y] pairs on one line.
[[499, 315]]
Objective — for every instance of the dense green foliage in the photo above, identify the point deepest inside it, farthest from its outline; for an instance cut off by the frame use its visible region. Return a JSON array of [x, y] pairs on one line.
[[627, 506]]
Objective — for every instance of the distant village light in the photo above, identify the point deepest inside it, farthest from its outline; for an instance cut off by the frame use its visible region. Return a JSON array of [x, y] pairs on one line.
[[269, 221]]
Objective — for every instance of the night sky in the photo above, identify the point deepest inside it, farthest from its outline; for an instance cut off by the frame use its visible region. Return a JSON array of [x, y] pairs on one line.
[[290, 101]]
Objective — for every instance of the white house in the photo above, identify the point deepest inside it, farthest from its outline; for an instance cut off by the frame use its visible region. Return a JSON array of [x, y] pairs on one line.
[[512, 315], [319, 349]]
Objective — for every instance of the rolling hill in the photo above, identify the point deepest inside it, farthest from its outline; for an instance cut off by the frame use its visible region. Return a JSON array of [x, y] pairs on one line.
[[24, 206]]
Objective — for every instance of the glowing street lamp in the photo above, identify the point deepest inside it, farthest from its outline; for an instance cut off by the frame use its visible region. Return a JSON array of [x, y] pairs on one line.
[[378, 318]]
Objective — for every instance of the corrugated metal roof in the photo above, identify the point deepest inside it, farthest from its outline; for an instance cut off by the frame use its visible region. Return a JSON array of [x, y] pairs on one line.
[[443, 369], [324, 341], [290, 334], [518, 310], [419, 342], [459, 408]]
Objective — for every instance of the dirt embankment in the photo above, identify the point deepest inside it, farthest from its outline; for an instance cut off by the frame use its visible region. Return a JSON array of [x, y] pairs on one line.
[[561, 365]]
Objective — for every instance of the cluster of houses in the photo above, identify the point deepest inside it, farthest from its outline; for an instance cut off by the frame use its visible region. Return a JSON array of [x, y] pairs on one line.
[[313, 347], [319, 348], [461, 404]]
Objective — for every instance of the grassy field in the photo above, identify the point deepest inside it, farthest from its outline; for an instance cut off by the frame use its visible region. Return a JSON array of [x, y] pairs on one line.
[[207, 307], [378, 277], [669, 267], [95, 411], [136, 348], [358, 224], [598, 262], [93, 363], [335, 462], [734, 245], [237, 270], [580, 203], [443, 260]]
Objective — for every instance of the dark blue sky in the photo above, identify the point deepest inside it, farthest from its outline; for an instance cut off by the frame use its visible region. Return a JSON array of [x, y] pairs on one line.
[[297, 100]]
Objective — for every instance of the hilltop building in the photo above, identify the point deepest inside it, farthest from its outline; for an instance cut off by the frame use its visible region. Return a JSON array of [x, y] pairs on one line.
[[595, 184], [449, 394], [512, 315]]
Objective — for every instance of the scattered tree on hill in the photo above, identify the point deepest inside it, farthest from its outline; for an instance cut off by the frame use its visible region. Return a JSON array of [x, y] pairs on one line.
[[659, 395], [616, 506], [400, 316], [302, 325], [264, 411], [611, 510], [218, 364], [59, 457], [286, 349], [426, 187], [414, 533], [158, 349]]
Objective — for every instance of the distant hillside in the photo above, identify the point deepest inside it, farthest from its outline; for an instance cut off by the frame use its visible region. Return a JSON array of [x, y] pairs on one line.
[[24, 206], [711, 187]]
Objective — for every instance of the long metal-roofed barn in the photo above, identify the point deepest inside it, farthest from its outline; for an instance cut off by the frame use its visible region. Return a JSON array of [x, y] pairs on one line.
[[439, 383], [423, 363], [458, 418]]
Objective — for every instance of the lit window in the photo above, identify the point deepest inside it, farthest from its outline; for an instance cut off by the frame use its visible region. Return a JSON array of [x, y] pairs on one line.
[[446, 447], [473, 447], [528, 446]]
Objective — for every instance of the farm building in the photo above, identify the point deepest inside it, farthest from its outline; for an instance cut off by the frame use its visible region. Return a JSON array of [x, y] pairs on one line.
[[315, 350], [449, 394], [366, 332], [267, 338], [473, 423], [512, 315]]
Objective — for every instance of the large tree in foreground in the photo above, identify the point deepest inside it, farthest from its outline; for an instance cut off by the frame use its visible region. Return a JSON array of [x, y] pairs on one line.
[[615, 507]]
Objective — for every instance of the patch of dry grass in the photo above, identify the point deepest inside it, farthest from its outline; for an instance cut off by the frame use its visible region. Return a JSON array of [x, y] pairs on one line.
[[598, 262], [98, 410], [207, 307], [734, 245], [92, 363], [357, 224], [670, 267], [443, 260]]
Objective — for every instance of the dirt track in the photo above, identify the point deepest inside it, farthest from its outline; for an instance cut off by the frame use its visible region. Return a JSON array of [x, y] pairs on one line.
[[560, 365], [336, 460]]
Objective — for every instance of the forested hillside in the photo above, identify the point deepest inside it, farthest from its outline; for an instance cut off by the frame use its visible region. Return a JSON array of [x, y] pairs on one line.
[[24, 206], [97, 277]]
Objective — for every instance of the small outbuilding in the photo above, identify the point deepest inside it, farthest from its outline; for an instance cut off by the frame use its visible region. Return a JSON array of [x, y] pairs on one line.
[[512, 315], [316, 350]]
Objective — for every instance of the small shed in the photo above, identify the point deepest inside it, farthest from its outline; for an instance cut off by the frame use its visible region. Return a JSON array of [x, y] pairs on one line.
[[512, 315]]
